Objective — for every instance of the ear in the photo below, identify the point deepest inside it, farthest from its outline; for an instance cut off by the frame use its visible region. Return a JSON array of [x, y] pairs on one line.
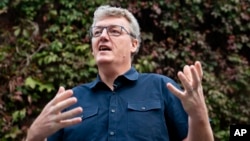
[[134, 45]]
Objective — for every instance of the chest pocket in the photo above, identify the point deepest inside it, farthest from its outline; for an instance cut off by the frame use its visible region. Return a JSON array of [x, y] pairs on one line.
[[84, 131], [145, 119], [89, 112], [144, 105]]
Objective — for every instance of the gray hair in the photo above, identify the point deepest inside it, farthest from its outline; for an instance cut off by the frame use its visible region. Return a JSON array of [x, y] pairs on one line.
[[107, 11]]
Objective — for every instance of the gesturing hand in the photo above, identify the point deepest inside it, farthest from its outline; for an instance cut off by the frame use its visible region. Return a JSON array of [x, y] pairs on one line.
[[51, 119], [192, 97]]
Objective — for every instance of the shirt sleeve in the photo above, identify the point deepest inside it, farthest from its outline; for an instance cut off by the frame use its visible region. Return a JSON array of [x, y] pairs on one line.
[[175, 116]]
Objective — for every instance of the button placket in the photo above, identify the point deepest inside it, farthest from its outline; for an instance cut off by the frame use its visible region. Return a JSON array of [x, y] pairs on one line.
[[112, 117]]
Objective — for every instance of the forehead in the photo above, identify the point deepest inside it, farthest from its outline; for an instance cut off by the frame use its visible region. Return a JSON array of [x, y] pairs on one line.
[[106, 21]]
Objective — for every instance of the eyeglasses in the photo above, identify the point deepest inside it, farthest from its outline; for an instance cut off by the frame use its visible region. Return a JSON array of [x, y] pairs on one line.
[[112, 30]]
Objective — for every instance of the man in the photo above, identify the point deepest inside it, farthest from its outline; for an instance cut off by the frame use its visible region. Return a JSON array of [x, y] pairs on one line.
[[122, 104]]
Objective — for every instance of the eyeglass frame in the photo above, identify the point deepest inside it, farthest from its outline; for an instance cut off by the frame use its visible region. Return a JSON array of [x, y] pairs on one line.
[[107, 27]]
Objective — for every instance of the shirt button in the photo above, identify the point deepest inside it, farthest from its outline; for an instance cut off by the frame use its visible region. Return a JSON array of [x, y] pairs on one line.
[[143, 108], [112, 110], [111, 133]]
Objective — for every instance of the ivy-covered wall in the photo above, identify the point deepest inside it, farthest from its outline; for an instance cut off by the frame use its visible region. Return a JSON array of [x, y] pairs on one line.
[[44, 44]]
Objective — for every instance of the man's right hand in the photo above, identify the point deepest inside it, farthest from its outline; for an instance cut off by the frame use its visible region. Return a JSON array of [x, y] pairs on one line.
[[51, 119]]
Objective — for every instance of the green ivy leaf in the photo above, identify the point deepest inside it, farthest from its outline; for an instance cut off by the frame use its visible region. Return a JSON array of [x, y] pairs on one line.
[[30, 82], [47, 87], [19, 115]]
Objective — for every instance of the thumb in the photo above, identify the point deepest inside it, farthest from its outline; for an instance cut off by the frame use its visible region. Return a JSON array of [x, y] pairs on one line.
[[175, 91]]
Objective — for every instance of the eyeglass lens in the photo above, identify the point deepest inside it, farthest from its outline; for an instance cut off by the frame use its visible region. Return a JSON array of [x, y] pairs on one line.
[[113, 30]]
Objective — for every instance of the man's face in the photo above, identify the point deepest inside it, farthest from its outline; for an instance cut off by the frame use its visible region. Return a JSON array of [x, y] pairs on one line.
[[108, 48]]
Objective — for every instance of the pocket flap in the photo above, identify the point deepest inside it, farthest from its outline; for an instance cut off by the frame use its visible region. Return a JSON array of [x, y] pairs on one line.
[[89, 111], [144, 105]]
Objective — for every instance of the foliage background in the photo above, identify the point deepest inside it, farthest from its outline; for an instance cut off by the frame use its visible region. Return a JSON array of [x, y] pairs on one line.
[[45, 44]]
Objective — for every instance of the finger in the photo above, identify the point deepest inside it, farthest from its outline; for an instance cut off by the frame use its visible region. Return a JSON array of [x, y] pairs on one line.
[[187, 72], [64, 104], [195, 77], [185, 82], [175, 91], [199, 69], [69, 122], [70, 114], [60, 90], [62, 96]]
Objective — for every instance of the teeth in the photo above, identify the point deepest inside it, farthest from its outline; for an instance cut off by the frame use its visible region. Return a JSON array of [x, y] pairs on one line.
[[104, 48]]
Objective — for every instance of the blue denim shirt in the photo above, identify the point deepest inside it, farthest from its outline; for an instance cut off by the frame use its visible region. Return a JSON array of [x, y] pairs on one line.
[[140, 108]]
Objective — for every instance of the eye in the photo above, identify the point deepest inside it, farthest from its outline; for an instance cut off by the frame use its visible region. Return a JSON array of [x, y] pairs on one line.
[[114, 30], [97, 31]]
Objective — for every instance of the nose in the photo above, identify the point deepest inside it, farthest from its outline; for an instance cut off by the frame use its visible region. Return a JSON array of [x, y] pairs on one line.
[[104, 33]]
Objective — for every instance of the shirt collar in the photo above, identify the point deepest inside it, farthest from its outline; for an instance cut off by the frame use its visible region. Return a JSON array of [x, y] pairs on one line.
[[130, 75]]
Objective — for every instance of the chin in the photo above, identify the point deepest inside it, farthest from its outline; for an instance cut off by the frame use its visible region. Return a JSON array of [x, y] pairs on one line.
[[103, 61]]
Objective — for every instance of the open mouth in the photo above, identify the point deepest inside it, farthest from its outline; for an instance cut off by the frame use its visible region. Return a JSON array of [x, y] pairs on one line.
[[104, 48]]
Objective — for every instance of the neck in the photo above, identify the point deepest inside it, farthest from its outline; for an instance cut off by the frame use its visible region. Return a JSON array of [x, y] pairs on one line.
[[109, 73]]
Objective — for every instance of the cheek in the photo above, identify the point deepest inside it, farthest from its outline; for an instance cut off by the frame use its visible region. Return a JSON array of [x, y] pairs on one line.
[[124, 45], [93, 45], [93, 42]]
